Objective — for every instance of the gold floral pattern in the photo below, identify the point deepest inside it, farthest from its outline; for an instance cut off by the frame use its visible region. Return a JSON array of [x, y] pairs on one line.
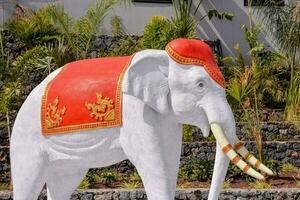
[[54, 115], [103, 109]]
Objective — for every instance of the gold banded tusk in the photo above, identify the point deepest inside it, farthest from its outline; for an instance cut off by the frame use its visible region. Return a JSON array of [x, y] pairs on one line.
[[246, 168], [230, 152], [227, 148], [241, 149]]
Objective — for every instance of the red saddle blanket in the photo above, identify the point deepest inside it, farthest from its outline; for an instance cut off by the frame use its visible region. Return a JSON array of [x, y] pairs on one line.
[[84, 95]]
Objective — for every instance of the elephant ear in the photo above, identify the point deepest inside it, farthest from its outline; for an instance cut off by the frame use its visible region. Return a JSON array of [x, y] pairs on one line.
[[147, 79]]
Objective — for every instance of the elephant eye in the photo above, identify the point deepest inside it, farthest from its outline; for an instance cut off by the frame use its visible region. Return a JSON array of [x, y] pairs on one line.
[[201, 84]]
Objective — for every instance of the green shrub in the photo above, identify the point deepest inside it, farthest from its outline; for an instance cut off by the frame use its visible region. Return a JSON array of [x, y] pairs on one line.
[[234, 172], [131, 185], [32, 28], [107, 177], [226, 184], [116, 26], [79, 33], [211, 138], [127, 46], [29, 61], [157, 33], [289, 168], [187, 133], [259, 185], [135, 177], [196, 170], [10, 97], [133, 182], [84, 184], [274, 165], [93, 175]]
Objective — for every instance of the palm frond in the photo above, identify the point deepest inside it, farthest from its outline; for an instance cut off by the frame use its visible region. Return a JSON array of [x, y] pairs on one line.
[[88, 25], [283, 23], [63, 22], [292, 110]]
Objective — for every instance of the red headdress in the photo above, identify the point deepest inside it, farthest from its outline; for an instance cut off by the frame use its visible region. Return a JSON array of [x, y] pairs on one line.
[[195, 52]]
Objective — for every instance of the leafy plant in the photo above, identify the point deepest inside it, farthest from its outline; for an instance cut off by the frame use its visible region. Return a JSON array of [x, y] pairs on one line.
[[196, 170], [289, 168], [184, 24], [133, 182], [211, 138], [282, 23], [274, 165], [248, 85], [292, 110], [107, 177], [234, 172], [45, 64], [135, 177], [30, 60], [59, 51], [160, 30], [157, 33], [226, 184], [219, 15], [131, 185], [30, 27], [187, 133], [84, 184], [116, 26], [10, 100], [260, 185], [78, 34], [127, 46]]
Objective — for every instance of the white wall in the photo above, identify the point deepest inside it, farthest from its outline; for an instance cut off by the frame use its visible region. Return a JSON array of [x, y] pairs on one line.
[[134, 18]]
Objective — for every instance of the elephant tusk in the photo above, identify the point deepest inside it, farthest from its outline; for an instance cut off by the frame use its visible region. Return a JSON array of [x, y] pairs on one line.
[[241, 149], [230, 152]]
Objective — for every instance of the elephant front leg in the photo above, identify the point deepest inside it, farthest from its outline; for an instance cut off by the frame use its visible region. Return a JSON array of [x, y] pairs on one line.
[[61, 184], [155, 163]]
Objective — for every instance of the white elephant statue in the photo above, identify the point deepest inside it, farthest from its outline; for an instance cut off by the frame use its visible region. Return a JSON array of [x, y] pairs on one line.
[[137, 115]]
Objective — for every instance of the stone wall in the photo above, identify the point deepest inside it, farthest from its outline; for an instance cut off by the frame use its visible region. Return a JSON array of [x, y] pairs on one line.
[[271, 131], [280, 131], [285, 152], [185, 194]]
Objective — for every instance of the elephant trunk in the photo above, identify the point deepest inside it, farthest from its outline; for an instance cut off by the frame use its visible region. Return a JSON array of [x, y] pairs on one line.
[[229, 148], [221, 159]]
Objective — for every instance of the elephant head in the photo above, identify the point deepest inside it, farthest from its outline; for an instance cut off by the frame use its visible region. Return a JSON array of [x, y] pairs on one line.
[[184, 80]]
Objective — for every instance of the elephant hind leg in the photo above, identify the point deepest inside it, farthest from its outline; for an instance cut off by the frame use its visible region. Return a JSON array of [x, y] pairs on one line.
[[28, 174], [61, 185]]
